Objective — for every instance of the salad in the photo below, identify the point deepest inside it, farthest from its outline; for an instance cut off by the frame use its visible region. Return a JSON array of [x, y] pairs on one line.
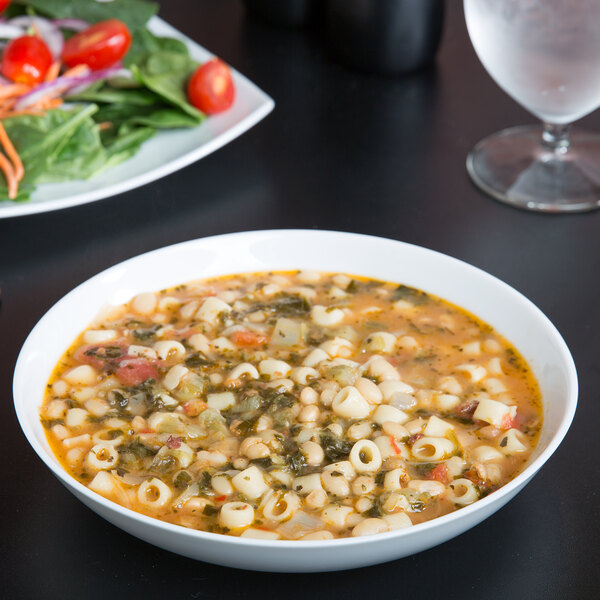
[[84, 83]]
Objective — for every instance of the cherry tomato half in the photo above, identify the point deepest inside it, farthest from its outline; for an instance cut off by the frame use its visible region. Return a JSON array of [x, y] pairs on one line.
[[98, 46], [26, 60], [4, 5], [210, 88]]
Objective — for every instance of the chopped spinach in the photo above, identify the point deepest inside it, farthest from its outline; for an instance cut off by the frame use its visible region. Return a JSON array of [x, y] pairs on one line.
[[146, 335], [209, 510], [423, 469], [353, 287], [285, 305], [204, 483], [193, 361], [105, 352], [296, 462], [182, 479], [410, 294], [265, 463], [375, 511], [163, 464], [334, 447], [137, 448]]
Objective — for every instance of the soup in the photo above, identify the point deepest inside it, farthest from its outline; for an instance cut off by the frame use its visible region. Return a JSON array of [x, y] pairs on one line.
[[292, 405]]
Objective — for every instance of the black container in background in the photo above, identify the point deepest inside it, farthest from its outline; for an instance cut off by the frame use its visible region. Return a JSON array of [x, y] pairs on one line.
[[288, 13], [385, 36]]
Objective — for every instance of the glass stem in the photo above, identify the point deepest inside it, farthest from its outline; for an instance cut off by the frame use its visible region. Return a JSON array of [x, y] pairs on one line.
[[556, 137]]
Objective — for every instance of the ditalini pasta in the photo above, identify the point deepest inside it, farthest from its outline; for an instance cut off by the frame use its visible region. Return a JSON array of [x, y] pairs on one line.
[[292, 405]]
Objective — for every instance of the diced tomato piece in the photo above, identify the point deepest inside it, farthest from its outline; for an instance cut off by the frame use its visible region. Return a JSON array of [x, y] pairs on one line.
[[220, 498], [485, 486], [473, 476], [248, 338], [133, 371], [507, 422], [193, 408], [439, 473]]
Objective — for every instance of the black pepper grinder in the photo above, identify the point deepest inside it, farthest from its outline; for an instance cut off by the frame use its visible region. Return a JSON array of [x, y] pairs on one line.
[[385, 36]]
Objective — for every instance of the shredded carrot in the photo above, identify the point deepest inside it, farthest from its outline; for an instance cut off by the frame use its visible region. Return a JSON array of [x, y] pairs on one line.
[[104, 125], [53, 71], [47, 102], [13, 89], [76, 71], [9, 173], [12, 154], [8, 103], [24, 111]]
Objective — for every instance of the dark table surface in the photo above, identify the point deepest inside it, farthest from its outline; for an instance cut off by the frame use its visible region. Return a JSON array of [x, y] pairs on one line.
[[346, 151]]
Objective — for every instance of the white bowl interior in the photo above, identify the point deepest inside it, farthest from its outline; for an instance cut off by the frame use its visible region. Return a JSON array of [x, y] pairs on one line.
[[510, 313]]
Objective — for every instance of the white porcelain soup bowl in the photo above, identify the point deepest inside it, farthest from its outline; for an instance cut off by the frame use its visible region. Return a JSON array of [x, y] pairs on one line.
[[506, 310]]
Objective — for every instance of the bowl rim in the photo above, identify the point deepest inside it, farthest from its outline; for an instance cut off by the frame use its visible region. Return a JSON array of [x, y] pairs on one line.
[[458, 515]]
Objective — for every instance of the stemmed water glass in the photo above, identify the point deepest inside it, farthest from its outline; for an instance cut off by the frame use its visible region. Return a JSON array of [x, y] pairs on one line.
[[545, 54]]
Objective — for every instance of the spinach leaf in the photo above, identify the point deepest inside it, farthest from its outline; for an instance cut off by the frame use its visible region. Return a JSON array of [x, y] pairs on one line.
[[126, 146], [134, 13], [166, 73], [144, 43], [82, 156], [45, 141], [109, 95], [165, 118], [47, 134]]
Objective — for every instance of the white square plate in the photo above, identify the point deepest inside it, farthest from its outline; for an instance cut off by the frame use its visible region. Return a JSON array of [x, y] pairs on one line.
[[166, 152]]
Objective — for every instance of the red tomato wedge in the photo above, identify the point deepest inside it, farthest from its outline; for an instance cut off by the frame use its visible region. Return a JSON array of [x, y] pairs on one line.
[[98, 46], [210, 88], [4, 5], [133, 371], [26, 59], [248, 338]]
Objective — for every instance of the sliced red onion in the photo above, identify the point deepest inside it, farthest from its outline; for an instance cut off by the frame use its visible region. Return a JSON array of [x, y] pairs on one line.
[[72, 24], [116, 73], [50, 32], [58, 87], [10, 32]]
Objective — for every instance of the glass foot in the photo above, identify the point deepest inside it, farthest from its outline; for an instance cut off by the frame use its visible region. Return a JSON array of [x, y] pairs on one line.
[[516, 166]]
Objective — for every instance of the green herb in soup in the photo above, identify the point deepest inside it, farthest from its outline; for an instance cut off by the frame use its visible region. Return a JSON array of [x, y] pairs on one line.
[[292, 405]]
